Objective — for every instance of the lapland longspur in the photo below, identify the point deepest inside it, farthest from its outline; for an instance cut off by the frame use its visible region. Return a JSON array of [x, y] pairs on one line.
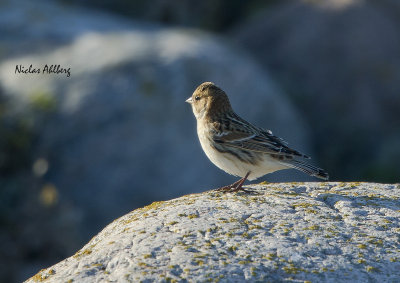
[[236, 146]]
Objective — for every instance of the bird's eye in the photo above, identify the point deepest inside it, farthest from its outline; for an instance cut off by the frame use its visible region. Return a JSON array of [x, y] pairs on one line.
[[197, 98]]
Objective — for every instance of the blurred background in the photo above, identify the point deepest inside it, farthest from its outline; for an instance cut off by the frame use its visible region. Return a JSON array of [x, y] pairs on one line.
[[77, 152]]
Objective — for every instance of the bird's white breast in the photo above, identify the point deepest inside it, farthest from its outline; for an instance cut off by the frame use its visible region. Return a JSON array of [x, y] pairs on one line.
[[231, 164]]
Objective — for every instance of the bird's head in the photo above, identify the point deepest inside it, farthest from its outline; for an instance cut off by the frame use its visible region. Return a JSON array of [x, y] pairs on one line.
[[208, 100]]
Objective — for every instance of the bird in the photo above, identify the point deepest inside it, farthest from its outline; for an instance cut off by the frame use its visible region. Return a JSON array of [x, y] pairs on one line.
[[238, 147]]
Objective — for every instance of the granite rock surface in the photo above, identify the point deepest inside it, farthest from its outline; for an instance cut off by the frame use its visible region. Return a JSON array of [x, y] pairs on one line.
[[318, 232]]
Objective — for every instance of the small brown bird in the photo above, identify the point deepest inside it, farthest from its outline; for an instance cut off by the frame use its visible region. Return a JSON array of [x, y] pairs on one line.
[[236, 146]]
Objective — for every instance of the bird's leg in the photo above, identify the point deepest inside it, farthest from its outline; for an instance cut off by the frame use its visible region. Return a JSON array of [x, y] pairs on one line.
[[240, 184], [235, 186], [228, 187]]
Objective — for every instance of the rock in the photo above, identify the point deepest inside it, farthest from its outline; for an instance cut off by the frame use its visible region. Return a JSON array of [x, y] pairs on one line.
[[318, 232], [339, 61], [206, 14], [116, 134]]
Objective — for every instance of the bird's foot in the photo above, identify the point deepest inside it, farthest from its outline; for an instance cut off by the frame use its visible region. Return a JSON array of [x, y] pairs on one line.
[[231, 189], [238, 188], [235, 187], [223, 189]]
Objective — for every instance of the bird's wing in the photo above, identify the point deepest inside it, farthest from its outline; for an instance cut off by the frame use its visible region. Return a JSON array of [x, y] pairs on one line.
[[247, 136]]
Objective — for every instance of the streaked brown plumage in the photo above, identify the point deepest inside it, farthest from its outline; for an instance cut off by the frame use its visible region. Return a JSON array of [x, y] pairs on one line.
[[236, 146]]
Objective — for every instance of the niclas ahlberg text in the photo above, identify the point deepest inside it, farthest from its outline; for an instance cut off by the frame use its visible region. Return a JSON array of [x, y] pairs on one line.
[[46, 69]]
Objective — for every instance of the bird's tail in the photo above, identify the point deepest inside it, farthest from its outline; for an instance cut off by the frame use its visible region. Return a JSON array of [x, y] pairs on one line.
[[307, 168]]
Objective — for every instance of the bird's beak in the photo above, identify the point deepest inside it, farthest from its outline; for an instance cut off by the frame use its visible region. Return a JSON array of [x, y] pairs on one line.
[[189, 100]]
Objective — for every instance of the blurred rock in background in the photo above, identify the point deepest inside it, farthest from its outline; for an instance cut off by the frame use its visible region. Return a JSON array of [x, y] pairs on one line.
[[214, 15], [339, 62], [77, 152]]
